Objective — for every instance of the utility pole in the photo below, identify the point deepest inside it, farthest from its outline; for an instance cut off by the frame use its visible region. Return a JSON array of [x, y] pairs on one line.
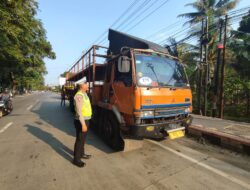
[[217, 70], [223, 70], [200, 68], [206, 69]]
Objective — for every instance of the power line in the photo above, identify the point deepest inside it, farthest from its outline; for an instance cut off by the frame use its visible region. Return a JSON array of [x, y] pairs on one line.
[[145, 17], [100, 37], [140, 13], [213, 26], [125, 12], [238, 10], [166, 27], [161, 5], [117, 20], [177, 33], [230, 13], [131, 15], [146, 2], [170, 32], [163, 30], [174, 34], [235, 20]]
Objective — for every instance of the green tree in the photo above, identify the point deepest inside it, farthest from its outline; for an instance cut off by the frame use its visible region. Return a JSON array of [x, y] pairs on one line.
[[209, 8], [240, 46], [23, 44]]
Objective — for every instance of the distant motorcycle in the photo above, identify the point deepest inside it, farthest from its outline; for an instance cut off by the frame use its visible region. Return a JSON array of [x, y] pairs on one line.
[[5, 104]]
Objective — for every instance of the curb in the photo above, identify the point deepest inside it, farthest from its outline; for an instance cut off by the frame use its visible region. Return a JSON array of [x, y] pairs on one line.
[[219, 119], [225, 140]]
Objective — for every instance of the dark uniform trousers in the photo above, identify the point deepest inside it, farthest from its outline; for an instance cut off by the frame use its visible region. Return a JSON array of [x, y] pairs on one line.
[[63, 99], [80, 140]]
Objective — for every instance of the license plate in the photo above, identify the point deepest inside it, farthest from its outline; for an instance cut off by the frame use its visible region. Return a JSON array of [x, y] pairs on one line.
[[176, 134]]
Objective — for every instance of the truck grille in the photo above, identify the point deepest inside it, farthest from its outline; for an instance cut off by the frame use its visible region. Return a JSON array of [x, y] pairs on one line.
[[170, 112]]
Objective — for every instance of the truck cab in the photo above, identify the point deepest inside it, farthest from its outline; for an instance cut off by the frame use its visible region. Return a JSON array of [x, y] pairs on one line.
[[150, 90]]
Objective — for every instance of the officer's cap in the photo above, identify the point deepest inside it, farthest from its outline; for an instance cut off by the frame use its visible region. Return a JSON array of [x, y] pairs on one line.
[[81, 81]]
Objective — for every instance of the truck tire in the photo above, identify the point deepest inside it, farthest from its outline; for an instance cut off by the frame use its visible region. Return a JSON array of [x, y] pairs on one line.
[[101, 123], [71, 104], [112, 133]]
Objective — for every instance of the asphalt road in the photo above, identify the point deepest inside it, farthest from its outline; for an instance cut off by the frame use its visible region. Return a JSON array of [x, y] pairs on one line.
[[36, 146]]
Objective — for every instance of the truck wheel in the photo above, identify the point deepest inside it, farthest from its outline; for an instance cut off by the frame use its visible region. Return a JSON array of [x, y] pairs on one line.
[[101, 123], [71, 105], [112, 134]]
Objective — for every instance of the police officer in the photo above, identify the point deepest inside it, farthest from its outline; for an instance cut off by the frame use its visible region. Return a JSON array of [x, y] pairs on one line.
[[83, 113]]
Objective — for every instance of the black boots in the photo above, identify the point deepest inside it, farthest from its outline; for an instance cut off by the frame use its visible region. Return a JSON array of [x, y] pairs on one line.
[[86, 156], [79, 163]]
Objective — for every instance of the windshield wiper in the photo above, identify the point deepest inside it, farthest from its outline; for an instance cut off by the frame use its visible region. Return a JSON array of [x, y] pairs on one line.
[[152, 68]]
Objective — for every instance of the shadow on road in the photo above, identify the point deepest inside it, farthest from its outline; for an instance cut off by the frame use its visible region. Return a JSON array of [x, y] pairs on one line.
[[61, 118], [49, 139], [95, 141], [58, 98]]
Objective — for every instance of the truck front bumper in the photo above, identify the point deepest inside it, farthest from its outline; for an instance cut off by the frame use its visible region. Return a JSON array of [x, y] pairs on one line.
[[159, 130]]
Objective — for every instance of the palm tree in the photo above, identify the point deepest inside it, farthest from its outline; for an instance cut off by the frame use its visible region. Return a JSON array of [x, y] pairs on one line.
[[209, 8]]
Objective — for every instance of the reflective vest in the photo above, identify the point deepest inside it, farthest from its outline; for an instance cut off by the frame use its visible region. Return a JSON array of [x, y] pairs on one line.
[[86, 108]]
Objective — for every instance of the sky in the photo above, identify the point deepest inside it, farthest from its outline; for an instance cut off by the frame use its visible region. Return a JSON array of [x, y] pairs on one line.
[[72, 26]]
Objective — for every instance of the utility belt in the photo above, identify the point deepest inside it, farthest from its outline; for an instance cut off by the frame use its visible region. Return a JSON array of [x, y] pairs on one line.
[[85, 118]]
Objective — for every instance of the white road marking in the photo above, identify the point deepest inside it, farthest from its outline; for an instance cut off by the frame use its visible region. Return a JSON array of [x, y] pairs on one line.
[[6, 127], [28, 108], [32, 105], [221, 173]]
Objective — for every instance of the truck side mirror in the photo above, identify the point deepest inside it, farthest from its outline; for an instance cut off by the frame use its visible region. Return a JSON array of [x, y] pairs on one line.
[[123, 64]]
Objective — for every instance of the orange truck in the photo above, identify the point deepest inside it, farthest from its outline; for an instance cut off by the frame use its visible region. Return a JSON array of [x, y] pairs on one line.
[[137, 90]]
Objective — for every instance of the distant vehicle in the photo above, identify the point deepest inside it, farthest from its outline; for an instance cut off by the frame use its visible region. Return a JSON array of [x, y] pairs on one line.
[[70, 90], [5, 104], [140, 91]]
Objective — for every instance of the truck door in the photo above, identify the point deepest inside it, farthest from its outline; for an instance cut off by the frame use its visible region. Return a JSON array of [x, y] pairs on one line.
[[122, 89], [107, 88]]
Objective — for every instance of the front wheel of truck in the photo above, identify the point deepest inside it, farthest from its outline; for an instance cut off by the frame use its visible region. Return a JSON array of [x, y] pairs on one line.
[[112, 133]]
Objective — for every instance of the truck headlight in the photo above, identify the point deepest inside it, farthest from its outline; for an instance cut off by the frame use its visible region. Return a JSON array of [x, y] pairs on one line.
[[187, 110], [147, 113]]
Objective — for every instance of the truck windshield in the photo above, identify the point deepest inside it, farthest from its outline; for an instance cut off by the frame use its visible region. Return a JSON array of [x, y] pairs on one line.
[[154, 70]]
